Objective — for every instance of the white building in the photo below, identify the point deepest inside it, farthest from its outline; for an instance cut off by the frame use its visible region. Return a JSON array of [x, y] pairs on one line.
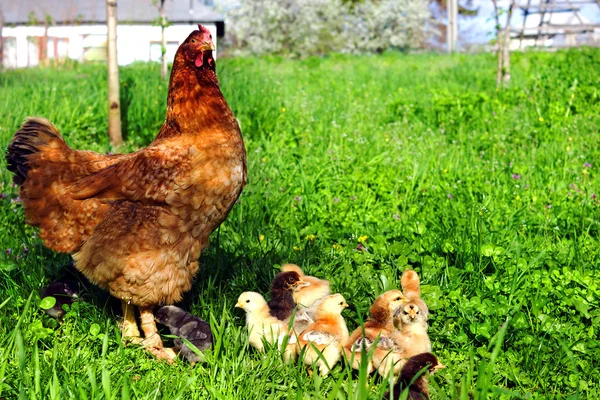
[[76, 29]]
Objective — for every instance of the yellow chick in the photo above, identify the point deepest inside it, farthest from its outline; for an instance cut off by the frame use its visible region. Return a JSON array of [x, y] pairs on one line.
[[264, 327], [377, 328], [410, 321], [325, 338]]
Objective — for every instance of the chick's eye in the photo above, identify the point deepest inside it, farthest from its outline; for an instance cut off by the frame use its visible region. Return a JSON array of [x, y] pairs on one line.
[[397, 298], [247, 301], [341, 303], [405, 312]]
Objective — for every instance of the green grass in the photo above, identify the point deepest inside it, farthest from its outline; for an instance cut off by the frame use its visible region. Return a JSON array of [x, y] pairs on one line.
[[485, 193]]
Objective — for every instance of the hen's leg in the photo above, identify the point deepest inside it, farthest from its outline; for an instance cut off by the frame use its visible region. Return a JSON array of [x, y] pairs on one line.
[[152, 340], [129, 329]]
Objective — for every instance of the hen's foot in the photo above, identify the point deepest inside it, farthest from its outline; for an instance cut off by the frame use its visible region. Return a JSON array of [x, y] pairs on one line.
[[165, 353], [152, 341], [129, 330]]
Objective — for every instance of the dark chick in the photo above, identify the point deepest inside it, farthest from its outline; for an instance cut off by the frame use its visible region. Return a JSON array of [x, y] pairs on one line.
[[65, 292], [418, 390], [283, 286], [190, 327]]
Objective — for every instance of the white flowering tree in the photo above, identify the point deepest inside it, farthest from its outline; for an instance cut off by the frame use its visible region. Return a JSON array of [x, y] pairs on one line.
[[314, 27]]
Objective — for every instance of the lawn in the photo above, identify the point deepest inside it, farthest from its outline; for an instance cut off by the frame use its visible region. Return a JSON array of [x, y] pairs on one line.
[[490, 195]]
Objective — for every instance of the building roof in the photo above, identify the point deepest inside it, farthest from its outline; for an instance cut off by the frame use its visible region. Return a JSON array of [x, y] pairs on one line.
[[69, 12]]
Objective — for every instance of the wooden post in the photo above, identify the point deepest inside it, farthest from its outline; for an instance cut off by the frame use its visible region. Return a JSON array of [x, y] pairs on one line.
[[163, 42], [114, 109], [506, 45], [499, 41], [452, 27], [1, 41]]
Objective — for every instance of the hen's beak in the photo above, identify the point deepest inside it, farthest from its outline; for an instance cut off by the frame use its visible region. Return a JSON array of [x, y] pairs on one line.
[[206, 46]]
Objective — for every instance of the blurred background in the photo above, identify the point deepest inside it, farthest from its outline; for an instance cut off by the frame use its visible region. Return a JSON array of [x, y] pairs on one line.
[[50, 31]]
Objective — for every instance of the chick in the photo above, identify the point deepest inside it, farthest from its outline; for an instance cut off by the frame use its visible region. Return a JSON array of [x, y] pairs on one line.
[[414, 379], [263, 326], [283, 286], [410, 321], [65, 292], [282, 302], [189, 327], [308, 296], [325, 338], [377, 328]]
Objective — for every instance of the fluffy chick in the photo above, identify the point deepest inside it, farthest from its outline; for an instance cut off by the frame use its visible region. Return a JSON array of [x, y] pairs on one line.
[[65, 292], [282, 302], [307, 296], [263, 326], [194, 329], [325, 338], [377, 327], [410, 321], [419, 389]]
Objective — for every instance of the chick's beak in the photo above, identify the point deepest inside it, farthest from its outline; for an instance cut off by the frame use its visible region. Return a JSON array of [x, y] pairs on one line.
[[439, 366], [238, 305], [412, 313], [345, 305], [300, 284]]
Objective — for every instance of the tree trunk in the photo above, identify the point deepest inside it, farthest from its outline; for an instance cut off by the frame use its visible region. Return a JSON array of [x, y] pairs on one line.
[[506, 46], [114, 109], [1, 43], [499, 41], [163, 43]]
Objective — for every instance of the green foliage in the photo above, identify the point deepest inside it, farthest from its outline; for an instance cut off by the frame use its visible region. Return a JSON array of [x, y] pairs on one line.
[[490, 195]]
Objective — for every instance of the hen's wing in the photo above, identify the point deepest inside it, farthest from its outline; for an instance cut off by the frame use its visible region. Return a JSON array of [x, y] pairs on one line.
[[153, 177]]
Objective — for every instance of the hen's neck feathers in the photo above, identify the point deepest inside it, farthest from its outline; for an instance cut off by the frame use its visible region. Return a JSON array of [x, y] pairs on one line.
[[195, 103]]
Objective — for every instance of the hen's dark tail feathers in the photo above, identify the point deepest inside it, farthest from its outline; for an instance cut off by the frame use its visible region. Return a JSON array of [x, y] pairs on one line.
[[33, 133]]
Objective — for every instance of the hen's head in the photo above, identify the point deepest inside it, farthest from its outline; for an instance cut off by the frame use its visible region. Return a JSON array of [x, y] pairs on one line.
[[198, 48]]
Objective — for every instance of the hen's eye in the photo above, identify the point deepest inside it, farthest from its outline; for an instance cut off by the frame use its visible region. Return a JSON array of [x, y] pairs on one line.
[[247, 301], [193, 41]]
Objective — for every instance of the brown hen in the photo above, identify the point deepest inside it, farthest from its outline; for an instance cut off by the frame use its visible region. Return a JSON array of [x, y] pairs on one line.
[[136, 223]]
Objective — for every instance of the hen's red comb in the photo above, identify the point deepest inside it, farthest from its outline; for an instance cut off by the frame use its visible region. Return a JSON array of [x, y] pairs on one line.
[[205, 33]]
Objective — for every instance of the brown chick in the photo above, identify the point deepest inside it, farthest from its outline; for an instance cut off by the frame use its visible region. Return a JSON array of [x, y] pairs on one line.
[[410, 321], [418, 389], [308, 295], [325, 338], [282, 302], [263, 327], [136, 223], [377, 327]]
